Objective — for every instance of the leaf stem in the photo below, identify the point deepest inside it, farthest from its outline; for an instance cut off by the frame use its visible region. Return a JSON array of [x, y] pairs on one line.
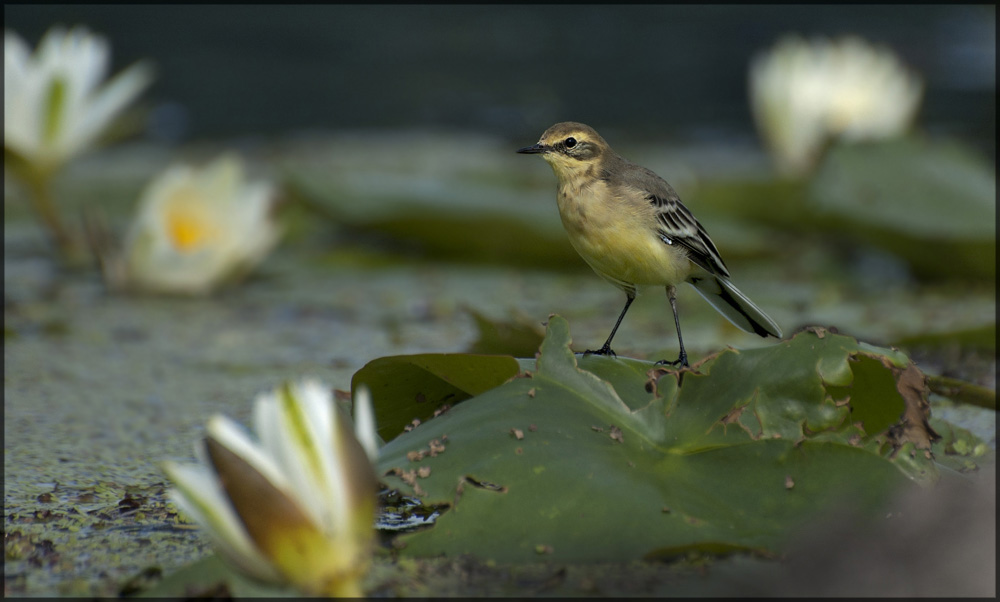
[[962, 392], [40, 189]]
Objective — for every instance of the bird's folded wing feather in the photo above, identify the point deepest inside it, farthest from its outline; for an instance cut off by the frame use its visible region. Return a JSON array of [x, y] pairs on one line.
[[675, 223]]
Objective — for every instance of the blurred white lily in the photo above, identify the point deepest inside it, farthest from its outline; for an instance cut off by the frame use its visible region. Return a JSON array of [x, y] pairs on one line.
[[195, 229], [295, 506], [55, 101], [55, 107], [805, 94]]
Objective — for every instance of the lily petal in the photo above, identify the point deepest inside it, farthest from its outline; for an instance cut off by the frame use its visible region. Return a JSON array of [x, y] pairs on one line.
[[294, 426], [199, 495], [234, 438], [364, 422]]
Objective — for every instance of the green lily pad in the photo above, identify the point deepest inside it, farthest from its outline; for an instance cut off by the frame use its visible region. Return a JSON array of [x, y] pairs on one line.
[[405, 388], [520, 336], [933, 204], [457, 221], [608, 459]]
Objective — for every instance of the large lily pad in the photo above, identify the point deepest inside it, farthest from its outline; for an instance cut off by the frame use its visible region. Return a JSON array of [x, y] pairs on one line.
[[608, 459], [520, 336], [410, 388], [429, 217], [932, 204]]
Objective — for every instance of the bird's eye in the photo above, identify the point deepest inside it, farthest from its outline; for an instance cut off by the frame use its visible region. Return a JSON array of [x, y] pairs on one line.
[[570, 142]]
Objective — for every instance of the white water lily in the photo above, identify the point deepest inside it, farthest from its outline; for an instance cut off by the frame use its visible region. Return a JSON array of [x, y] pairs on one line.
[[198, 228], [56, 102], [297, 504], [805, 94]]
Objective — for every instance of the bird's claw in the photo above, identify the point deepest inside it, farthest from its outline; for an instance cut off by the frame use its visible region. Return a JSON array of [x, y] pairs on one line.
[[681, 361]]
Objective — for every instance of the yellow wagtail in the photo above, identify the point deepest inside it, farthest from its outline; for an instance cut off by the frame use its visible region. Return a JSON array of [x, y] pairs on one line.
[[631, 227]]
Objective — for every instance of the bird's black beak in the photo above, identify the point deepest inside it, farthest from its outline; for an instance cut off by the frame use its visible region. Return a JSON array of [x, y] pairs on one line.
[[533, 150]]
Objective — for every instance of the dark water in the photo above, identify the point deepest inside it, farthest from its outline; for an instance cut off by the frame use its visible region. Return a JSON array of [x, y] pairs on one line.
[[638, 71]]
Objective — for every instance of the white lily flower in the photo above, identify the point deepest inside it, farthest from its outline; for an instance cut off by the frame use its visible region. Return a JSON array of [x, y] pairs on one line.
[[55, 101], [195, 229], [296, 505], [805, 94]]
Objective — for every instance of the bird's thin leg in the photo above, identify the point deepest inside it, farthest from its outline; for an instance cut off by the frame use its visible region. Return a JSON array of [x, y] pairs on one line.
[[606, 349], [683, 359]]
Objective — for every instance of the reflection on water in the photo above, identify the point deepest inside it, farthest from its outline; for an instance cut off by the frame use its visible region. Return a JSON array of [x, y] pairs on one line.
[[400, 513]]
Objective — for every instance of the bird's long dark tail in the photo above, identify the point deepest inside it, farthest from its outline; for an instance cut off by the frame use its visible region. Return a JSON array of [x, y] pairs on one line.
[[736, 306]]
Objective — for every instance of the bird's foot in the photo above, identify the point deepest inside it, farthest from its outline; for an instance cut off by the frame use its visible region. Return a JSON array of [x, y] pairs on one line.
[[681, 361], [606, 350]]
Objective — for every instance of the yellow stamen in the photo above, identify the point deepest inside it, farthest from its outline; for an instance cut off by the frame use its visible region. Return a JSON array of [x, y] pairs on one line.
[[186, 226]]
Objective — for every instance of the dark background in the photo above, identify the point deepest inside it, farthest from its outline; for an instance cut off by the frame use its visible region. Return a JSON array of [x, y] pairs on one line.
[[647, 71]]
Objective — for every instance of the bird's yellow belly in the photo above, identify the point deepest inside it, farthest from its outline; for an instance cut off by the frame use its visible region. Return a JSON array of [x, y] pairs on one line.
[[619, 245]]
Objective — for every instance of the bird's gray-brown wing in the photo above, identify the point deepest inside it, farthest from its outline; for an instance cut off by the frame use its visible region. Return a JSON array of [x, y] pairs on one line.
[[675, 223]]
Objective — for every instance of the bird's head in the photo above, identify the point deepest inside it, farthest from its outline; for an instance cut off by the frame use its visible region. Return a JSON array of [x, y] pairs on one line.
[[570, 148]]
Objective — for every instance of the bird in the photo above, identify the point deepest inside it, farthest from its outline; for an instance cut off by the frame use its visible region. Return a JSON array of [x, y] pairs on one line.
[[630, 226]]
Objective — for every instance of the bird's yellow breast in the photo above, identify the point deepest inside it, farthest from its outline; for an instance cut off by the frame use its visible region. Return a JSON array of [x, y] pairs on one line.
[[616, 235]]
